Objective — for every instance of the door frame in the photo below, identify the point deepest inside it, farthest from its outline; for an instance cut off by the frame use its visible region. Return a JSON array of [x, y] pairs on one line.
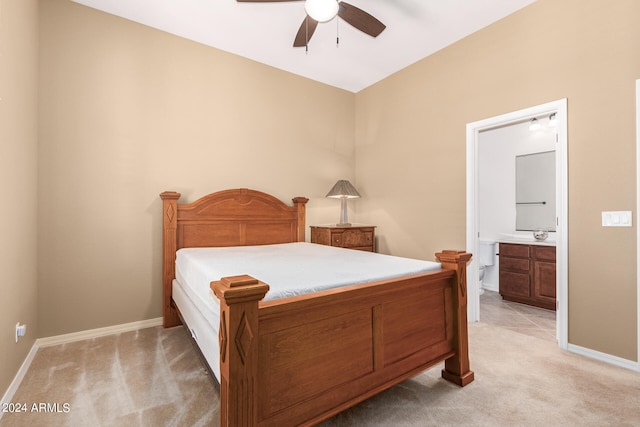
[[638, 211], [473, 130]]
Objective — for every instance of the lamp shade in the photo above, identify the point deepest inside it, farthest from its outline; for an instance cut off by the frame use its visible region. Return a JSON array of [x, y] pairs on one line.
[[343, 189]]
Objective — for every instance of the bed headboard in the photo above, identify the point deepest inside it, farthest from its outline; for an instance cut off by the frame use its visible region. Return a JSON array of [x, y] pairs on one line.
[[238, 217]]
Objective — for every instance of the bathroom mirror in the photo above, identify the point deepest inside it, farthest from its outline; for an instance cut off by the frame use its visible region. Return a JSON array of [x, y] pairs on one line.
[[536, 191]]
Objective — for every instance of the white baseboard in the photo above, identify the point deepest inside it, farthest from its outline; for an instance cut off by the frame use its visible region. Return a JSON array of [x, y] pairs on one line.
[[67, 338], [99, 332], [604, 357], [8, 395]]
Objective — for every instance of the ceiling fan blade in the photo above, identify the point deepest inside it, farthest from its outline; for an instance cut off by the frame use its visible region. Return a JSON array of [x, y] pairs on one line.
[[360, 19], [305, 32]]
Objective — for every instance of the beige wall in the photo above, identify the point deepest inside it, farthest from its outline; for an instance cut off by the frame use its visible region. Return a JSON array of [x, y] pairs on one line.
[[128, 112], [18, 175], [410, 146]]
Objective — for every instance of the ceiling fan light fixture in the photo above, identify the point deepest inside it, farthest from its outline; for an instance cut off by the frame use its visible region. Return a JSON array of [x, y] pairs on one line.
[[321, 10], [535, 125]]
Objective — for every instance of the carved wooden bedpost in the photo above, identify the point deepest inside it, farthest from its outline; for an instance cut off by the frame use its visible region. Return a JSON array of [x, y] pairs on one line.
[[238, 336], [169, 244], [456, 368], [300, 202]]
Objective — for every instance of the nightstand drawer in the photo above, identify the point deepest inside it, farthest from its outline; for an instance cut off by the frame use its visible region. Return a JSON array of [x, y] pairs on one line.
[[359, 237], [352, 238]]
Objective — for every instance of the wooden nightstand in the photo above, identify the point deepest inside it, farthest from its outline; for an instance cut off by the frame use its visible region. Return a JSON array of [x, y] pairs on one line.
[[355, 236]]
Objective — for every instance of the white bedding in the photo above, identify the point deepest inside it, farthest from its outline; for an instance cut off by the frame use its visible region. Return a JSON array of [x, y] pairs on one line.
[[289, 269]]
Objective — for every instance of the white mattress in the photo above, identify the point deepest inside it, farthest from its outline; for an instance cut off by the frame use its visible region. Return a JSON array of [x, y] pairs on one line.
[[284, 267]]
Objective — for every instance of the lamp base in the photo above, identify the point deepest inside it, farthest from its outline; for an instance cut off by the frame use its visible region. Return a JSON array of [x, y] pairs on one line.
[[346, 224], [344, 219]]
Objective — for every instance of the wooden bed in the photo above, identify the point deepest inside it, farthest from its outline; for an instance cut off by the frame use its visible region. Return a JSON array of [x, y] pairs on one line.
[[301, 360]]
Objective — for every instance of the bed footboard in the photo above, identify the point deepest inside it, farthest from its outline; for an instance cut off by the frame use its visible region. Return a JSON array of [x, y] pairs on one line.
[[301, 360]]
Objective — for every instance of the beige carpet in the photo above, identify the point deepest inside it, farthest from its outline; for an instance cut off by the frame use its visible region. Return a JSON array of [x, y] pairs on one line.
[[154, 377], [151, 377]]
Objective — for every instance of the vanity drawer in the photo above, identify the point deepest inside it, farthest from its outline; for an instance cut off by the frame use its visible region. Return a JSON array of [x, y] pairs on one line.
[[547, 253], [517, 264], [520, 251]]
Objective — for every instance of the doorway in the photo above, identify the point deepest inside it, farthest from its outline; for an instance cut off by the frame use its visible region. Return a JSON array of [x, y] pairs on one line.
[[473, 146]]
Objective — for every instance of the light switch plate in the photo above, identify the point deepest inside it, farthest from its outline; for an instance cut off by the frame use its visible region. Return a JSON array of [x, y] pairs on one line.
[[616, 219]]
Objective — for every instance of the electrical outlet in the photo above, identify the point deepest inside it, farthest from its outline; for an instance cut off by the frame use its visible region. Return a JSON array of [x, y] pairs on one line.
[[21, 330]]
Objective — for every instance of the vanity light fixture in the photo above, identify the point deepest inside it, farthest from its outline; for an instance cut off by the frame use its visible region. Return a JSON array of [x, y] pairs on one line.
[[343, 190], [321, 10], [534, 124], [553, 120]]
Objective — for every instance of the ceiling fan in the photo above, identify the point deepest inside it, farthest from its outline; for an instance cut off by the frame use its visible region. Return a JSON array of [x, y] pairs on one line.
[[326, 10]]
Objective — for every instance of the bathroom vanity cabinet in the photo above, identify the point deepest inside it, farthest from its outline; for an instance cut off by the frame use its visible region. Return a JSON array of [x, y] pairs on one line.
[[528, 274]]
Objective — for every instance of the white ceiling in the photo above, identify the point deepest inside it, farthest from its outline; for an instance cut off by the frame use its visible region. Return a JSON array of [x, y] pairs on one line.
[[264, 32]]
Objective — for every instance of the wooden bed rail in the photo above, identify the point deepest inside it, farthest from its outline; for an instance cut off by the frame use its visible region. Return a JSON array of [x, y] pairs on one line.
[[366, 339]]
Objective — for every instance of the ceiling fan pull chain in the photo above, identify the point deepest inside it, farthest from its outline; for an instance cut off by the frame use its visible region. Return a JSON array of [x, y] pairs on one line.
[[337, 32], [306, 35]]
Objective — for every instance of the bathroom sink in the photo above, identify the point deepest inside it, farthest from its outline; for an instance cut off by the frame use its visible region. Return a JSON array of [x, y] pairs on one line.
[[528, 240]]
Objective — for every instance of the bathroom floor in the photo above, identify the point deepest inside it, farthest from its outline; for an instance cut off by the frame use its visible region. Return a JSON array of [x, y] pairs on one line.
[[521, 318]]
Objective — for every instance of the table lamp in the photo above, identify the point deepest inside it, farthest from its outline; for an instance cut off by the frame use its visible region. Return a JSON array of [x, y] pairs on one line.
[[343, 190]]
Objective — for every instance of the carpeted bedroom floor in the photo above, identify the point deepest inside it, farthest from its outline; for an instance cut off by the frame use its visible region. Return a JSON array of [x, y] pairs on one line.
[[154, 377]]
